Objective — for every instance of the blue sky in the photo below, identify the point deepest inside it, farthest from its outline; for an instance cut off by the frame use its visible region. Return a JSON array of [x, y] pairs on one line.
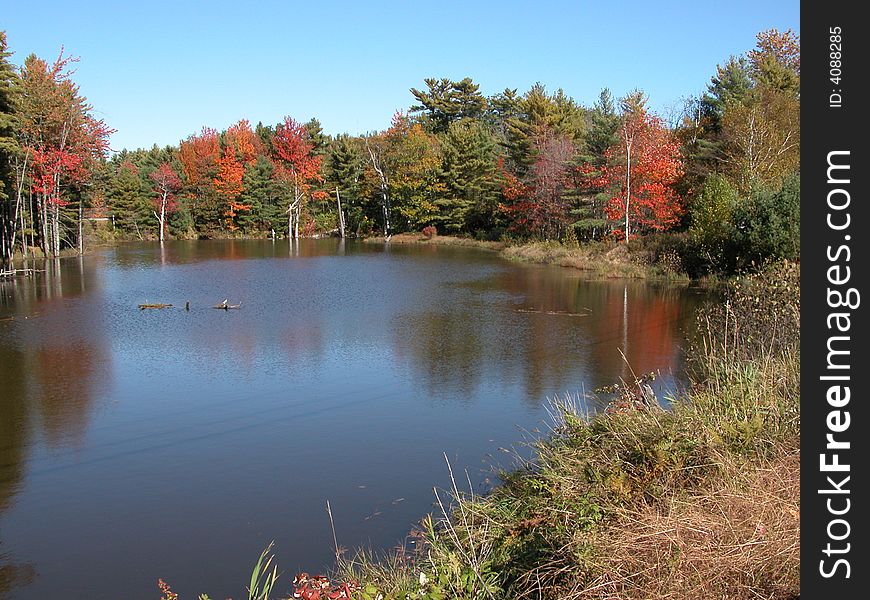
[[158, 71]]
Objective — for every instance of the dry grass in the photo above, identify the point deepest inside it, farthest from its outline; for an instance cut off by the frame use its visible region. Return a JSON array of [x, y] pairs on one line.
[[438, 240], [738, 539], [601, 259]]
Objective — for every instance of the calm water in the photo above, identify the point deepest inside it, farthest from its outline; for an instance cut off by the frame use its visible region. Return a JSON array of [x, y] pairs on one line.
[[176, 444]]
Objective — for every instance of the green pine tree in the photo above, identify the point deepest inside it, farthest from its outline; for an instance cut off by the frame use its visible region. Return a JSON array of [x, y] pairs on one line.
[[470, 177], [9, 93]]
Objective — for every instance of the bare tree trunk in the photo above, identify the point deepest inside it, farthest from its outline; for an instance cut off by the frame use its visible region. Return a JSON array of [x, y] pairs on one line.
[[81, 241], [297, 219], [161, 218], [23, 236], [43, 223], [627, 190], [385, 197], [56, 223], [340, 214], [18, 212]]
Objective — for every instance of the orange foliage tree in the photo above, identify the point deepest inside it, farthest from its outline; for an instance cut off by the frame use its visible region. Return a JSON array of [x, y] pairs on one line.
[[228, 184], [200, 155], [643, 167]]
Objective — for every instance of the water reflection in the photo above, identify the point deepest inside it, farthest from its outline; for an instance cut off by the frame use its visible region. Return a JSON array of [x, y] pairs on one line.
[[549, 325], [141, 438], [53, 359]]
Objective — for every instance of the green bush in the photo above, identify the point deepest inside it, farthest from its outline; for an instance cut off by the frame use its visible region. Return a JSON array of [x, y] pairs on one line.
[[768, 225]]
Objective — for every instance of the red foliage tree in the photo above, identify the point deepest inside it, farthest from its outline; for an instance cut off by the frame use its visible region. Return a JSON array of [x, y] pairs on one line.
[[539, 206], [297, 164], [550, 182], [166, 184], [62, 142], [643, 167]]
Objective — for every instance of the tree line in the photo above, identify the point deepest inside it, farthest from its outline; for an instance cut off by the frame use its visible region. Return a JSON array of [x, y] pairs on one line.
[[720, 176]]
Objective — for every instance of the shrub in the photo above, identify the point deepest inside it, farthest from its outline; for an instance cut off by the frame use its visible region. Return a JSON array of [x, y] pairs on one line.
[[712, 231], [430, 231], [768, 225]]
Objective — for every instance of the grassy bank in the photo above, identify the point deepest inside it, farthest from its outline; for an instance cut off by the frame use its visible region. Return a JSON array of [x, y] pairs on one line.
[[600, 259], [437, 240], [699, 501]]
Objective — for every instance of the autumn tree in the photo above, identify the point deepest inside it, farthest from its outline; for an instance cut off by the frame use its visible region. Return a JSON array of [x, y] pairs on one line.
[[298, 165], [166, 184], [762, 139], [413, 160], [61, 142], [645, 164], [775, 62], [549, 216], [761, 132], [199, 155], [246, 144], [228, 184]]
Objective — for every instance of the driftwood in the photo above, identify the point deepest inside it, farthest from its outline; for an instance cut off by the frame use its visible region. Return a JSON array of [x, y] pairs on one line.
[[144, 306], [560, 313], [20, 272], [225, 305]]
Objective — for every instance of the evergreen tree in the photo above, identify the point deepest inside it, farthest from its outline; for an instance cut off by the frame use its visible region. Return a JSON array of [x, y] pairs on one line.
[[345, 166], [129, 199], [447, 101], [731, 85], [768, 225], [589, 197], [9, 92], [470, 177], [261, 193], [604, 130]]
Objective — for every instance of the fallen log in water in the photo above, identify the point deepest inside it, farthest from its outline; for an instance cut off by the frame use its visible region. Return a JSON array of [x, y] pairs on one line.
[[225, 305], [20, 272], [560, 313], [144, 306]]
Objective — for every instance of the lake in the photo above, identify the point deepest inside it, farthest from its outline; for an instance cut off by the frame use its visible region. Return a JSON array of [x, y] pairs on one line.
[[137, 444]]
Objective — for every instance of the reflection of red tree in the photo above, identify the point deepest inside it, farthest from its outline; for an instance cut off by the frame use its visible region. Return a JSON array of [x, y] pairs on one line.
[[66, 376], [303, 341], [646, 323]]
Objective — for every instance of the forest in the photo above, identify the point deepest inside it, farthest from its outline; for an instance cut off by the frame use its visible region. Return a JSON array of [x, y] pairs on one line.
[[715, 182]]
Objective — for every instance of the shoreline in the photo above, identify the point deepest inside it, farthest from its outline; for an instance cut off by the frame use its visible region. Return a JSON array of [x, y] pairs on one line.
[[603, 260], [599, 260]]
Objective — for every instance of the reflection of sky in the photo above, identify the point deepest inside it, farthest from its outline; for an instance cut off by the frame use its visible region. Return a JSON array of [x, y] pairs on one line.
[[207, 433]]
